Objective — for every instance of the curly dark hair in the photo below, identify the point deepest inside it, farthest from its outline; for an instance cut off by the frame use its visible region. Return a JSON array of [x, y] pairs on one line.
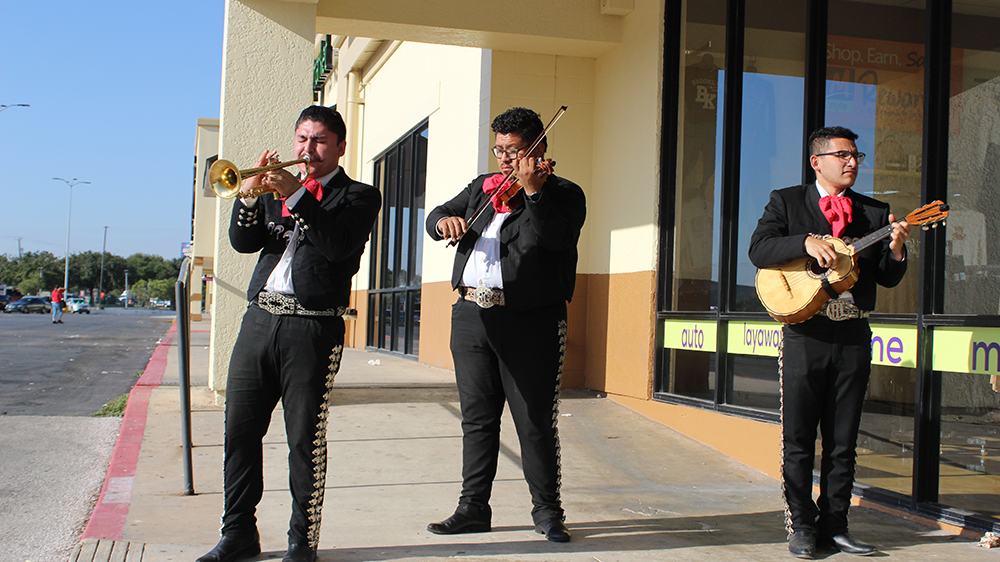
[[519, 121], [819, 138], [328, 117]]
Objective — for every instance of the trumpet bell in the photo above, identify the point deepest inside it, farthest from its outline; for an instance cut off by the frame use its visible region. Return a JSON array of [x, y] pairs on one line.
[[224, 177]]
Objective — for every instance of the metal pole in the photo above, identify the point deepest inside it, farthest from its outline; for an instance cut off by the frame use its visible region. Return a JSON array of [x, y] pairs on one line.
[[184, 365], [69, 219], [127, 294], [104, 250]]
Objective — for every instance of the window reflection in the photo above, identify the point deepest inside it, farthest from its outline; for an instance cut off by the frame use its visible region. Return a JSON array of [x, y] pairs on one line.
[[972, 254], [696, 254]]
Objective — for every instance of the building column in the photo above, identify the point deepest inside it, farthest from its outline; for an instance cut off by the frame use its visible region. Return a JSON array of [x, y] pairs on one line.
[[266, 81]]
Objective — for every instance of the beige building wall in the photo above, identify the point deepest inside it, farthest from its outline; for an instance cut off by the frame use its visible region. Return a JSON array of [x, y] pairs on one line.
[[623, 207], [204, 225], [266, 82]]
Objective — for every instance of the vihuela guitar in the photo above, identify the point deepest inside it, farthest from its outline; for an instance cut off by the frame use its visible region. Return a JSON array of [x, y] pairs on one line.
[[794, 292]]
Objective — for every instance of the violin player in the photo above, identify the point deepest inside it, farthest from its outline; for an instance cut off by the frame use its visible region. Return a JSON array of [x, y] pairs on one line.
[[515, 271], [824, 362]]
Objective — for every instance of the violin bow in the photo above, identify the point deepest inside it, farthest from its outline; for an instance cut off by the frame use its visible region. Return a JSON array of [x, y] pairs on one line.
[[487, 202]]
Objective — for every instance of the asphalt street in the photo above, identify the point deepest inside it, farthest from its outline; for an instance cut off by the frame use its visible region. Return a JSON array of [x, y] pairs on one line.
[[74, 368], [53, 455]]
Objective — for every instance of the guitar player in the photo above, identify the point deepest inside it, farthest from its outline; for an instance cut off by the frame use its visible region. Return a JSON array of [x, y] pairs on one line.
[[824, 363]]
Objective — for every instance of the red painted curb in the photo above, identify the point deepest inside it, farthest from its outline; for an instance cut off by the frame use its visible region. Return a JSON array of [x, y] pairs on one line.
[[107, 521]]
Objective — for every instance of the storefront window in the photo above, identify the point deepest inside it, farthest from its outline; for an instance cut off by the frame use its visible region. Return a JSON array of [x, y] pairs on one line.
[[885, 442], [875, 87], [771, 137], [972, 254], [970, 441], [696, 263]]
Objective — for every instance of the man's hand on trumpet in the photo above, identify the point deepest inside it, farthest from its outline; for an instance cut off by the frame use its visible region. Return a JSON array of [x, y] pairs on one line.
[[282, 182]]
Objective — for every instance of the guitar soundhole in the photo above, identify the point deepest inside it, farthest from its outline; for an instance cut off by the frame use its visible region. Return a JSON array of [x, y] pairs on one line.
[[815, 270]]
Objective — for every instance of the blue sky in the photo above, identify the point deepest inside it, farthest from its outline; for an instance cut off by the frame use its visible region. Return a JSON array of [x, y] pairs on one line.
[[115, 90]]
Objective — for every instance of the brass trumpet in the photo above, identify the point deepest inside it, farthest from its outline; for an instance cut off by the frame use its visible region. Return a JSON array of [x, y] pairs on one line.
[[226, 178]]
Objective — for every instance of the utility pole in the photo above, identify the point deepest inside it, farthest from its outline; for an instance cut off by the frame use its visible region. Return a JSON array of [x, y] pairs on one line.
[[127, 295], [19, 254], [104, 251]]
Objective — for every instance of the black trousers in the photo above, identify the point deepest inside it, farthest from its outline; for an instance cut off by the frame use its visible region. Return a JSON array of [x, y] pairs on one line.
[[513, 357], [824, 368], [295, 359]]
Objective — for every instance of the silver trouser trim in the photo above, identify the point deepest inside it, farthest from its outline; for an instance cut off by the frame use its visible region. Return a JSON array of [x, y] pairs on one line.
[[563, 336], [319, 454], [287, 305], [485, 297], [839, 310], [781, 448]]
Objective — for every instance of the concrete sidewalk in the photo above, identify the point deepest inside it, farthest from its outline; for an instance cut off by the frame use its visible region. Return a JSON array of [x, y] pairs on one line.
[[633, 489]]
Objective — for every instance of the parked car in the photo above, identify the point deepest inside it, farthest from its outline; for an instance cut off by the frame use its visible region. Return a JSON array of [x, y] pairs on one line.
[[4, 301], [78, 305], [29, 304]]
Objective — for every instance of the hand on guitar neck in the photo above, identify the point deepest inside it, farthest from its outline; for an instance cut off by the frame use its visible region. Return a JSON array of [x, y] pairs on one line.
[[826, 256], [900, 233]]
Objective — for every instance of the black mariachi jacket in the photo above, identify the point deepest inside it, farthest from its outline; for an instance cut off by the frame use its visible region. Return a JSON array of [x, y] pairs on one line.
[[538, 240], [793, 213], [332, 238]]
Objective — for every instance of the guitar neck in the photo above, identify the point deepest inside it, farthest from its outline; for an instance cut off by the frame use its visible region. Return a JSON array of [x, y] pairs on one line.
[[872, 238]]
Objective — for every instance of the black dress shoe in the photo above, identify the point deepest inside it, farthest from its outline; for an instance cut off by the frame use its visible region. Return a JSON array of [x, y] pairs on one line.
[[299, 552], [553, 529], [460, 523], [232, 548], [844, 542], [802, 544]]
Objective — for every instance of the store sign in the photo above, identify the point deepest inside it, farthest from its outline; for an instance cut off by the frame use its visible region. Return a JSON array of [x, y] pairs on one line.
[[967, 350], [755, 338], [688, 335], [892, 345]]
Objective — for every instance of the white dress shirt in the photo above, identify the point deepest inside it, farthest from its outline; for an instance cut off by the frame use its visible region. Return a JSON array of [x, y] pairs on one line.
[[280, 280]]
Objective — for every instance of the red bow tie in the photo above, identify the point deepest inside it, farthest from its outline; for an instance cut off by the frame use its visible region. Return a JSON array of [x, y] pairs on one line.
[[312, 186], [838, 211]]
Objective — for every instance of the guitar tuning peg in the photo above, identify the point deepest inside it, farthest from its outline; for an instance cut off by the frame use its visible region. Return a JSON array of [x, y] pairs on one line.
[[935, 225], [925, 227], [944, 223]]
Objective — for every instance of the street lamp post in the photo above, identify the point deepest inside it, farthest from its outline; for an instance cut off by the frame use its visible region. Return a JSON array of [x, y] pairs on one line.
[[69, 219], [127, 295], [104, 251]]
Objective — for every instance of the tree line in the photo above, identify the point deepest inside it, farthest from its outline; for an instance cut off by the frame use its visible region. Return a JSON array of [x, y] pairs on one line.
[[36, 272]]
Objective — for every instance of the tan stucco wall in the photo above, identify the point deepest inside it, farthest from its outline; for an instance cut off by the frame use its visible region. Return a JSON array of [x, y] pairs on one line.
[[551, 27], [622, 209], [204, 225], [266, 82]]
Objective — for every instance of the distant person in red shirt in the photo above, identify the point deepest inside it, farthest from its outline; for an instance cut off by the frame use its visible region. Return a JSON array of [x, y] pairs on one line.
[[57, 305]]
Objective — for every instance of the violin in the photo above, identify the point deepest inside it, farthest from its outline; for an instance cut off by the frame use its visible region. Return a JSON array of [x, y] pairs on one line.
[[509, 187]]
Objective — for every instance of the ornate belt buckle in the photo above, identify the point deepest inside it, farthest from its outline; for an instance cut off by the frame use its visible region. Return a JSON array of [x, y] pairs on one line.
[[838, 310], [484, 297]]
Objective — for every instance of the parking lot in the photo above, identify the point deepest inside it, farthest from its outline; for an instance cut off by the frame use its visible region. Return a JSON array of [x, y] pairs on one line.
[[76, 367]]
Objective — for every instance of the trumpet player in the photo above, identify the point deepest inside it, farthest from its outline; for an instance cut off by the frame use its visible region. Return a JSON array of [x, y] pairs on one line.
[[310, 232]]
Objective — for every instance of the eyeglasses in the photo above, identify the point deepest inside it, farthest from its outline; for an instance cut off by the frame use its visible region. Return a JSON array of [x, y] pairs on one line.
[[512, 153], [846, 156]]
